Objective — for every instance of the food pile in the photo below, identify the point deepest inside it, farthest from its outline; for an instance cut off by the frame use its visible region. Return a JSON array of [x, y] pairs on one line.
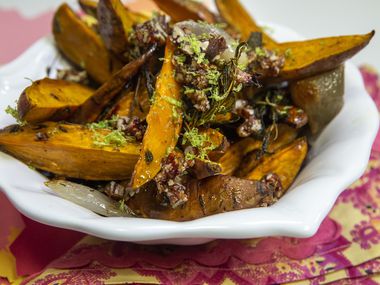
[[178, 114]]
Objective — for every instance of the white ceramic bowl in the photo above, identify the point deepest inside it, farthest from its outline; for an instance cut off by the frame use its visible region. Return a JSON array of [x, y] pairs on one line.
[[337, 158]]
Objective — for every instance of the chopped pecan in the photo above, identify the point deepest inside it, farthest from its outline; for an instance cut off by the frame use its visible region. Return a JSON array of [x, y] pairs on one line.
[[154, 31], [73, 75], [265, 62], [273, 186], [252, 123], [199, 100], [132, 127], [216, 45], [171, 179]]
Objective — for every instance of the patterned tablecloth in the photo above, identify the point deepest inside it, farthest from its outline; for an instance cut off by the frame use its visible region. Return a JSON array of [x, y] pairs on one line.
[[345, 250]]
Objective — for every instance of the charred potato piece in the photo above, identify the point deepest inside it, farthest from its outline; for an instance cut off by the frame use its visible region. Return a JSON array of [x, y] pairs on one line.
[[285, 163], [181, 10], [164, 123], [115, 22], [91, 109], [213, 195], [311, 57], [233, 12], [51, 100], [82, 46], [68, 150], [320, 96]]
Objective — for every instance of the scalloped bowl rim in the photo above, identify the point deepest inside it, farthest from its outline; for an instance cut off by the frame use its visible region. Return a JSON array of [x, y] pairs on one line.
[[337, 158]]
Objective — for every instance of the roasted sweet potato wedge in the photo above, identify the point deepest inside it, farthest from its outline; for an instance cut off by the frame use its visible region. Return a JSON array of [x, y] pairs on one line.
[[181, 10], [164, 123], [233, 12], [242, 151], [82, 46], [51, 100], [213, 195], [320, 96], [69, 150], [311, 57], [286, 163], [133, 103], [115, 22], [90, 110]]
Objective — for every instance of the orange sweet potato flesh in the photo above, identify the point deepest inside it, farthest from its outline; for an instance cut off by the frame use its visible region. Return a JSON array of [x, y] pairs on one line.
[[233, 12], [89, 6], [82, 46], [164, 123], [133, 103], [115, 22], [240, 150], [68, 150], [213, 195], [91, 109], [286, 163], [231, 160], [311, 57], [181, 10], [51, 100]]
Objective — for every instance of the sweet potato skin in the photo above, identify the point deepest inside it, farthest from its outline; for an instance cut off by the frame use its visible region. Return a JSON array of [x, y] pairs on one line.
[[320, 96], [285, 162], [68, 150], [213, 195], [51, 100], [82, 46], [181, 10], [114, 24], [164, 123], [311, 57]]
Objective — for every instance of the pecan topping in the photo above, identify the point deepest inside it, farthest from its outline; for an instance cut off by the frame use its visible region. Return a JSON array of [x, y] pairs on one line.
[[252, 123]]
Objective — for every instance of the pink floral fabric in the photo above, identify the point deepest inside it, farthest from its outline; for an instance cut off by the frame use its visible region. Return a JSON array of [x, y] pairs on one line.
[[346, 245]]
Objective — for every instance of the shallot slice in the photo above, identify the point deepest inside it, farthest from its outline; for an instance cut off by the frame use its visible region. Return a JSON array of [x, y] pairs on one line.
[[88, 198]]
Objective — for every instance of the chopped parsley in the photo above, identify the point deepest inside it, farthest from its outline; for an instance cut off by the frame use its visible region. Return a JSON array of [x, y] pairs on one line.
[[115, 138], [288, 53], [173, 101], [260, 52], [14, 113], [213, 76], [106, 124], [193, 46], [201, 142]]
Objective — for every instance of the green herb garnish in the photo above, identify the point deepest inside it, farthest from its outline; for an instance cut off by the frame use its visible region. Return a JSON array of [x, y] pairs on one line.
[[201, 142], [115, 139], [14, 113]]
